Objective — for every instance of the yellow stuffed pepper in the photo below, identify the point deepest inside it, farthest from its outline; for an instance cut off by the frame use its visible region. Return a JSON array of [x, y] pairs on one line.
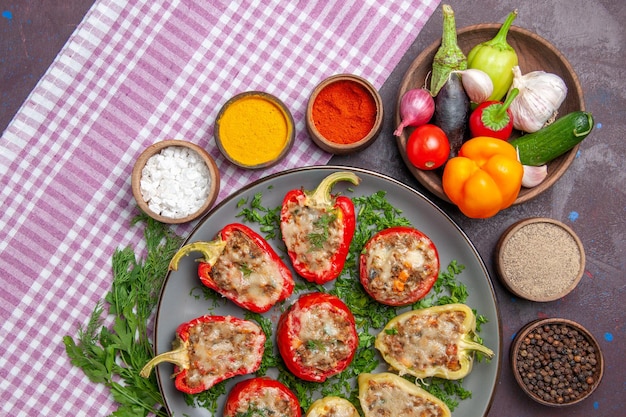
[[484, 178]]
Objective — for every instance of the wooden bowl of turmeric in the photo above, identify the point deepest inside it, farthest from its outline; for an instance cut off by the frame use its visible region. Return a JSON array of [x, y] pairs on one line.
[[344, 114], [254, 130]]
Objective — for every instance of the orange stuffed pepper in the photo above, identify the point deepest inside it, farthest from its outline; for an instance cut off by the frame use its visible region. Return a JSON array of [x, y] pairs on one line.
[[484, 178]]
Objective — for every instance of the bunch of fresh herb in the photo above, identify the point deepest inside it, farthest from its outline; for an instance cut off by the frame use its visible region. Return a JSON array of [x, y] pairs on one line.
[[114, 355]]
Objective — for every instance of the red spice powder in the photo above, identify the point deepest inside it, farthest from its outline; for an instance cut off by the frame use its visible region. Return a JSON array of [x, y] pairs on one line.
[[344, 112]]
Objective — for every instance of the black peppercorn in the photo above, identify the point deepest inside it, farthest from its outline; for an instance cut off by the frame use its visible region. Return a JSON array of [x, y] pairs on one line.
[[557, 363]]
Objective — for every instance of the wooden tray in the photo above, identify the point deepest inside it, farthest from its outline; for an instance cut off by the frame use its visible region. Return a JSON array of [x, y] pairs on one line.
[[534, 53]]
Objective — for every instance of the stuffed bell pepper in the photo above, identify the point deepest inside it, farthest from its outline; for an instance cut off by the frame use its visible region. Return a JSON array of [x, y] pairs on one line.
[[317, 336], [240, 265], [484, 178], [332, 406], [386, 394], [210, 349], [317, 229], [398, 266], [261, 396], [435, 341]]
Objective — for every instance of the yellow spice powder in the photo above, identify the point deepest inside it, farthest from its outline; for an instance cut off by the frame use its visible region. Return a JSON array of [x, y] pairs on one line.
[[253, 130]]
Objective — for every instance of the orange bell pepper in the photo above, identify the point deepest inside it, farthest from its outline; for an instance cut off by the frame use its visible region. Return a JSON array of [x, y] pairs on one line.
[[484, 178]]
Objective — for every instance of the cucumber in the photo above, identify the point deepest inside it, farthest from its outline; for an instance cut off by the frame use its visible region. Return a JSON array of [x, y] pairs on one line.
[[540, 147]]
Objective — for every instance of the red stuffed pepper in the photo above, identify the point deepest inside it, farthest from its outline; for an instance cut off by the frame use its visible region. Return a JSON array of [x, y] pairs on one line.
[[317, 229], [261, 396], [398, 266], [210, 349], [317, 337], [240, 265]]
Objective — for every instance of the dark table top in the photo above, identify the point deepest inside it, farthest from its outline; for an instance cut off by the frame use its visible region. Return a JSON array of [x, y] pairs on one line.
[[590, 197]]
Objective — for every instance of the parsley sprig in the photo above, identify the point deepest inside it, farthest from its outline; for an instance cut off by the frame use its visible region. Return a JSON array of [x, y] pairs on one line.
[[113, 355]]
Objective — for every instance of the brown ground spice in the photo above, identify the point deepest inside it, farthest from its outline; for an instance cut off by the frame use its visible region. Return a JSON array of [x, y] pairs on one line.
[[541, 260]]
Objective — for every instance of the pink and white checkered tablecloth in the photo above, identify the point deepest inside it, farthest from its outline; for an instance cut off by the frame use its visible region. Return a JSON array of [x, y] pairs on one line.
[[134, 73]]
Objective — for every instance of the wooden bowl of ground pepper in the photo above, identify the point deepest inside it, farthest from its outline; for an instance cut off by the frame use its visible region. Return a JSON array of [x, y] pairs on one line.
[[556, 362], [344, 114], [540, 259]]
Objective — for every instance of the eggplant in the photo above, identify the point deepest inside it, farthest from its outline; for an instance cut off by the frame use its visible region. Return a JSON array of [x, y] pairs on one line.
[[452, 110]]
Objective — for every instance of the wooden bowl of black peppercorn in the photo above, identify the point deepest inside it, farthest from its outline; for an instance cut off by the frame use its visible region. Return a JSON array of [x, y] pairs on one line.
[[556, 362]]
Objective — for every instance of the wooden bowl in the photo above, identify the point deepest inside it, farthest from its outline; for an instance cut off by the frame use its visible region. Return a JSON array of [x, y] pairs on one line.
[[540, 259], [157, 148], [345, 148], [582, 371], [253, 109], [534, 53]]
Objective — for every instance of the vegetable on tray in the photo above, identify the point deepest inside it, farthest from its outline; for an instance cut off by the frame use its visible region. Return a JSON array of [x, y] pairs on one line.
[[240, 265], [427, 147], [436, 341], [210, 349], [493, 118], [416, 109], [261, 396], [540, 96], [398, 265], [452, 110], [317, 228], [449, 57], [484, 178], [387, 394], [317, 336], [497, 58], [554, 140]]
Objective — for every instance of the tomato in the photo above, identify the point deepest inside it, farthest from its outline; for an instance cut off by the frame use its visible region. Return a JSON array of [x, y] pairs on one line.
[[261, 393], [317, 336], [428, 147], [398, 266]]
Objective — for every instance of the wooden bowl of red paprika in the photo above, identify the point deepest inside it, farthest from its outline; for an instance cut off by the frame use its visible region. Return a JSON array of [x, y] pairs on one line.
[[344, 114], [534, 53]]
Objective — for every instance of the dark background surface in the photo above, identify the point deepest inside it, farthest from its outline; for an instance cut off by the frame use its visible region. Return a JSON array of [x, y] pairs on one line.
[[589, 197]]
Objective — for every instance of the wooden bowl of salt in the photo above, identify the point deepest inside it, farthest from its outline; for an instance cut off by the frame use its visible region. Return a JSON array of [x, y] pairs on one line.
[[540, 259]]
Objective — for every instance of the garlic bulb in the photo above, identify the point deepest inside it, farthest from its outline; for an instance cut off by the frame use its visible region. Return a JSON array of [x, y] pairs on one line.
[[477, 84], [540, 96], [534, 175]]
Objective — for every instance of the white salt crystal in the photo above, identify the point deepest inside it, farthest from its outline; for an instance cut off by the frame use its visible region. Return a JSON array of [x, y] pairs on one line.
[[175, 182]]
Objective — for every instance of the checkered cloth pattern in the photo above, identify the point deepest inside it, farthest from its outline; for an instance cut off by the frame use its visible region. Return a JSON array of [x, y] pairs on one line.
[[134, 73]]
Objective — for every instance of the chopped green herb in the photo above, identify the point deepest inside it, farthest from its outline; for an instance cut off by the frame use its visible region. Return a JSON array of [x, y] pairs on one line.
[[322, 227], [270, 359], [255, 212], [114, 356], [245, 270], [315, 345]]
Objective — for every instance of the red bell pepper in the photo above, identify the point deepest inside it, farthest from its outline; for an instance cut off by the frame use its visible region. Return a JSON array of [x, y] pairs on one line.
[[261, 396], [398, 266], [200, 362], [317, 336], [493, 118], [241, 265], [317, 229]]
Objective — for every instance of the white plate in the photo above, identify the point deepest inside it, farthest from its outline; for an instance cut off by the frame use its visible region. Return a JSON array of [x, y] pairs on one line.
[[177, 303]]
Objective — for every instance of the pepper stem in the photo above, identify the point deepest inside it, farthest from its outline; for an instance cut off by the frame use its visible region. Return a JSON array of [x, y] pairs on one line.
[[178, 356], [469, 344], [509, 99], [500, 38], [209, 250], [321, 196]]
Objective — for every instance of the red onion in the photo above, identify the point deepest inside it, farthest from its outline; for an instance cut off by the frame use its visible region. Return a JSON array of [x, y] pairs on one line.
[[417, 107]]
